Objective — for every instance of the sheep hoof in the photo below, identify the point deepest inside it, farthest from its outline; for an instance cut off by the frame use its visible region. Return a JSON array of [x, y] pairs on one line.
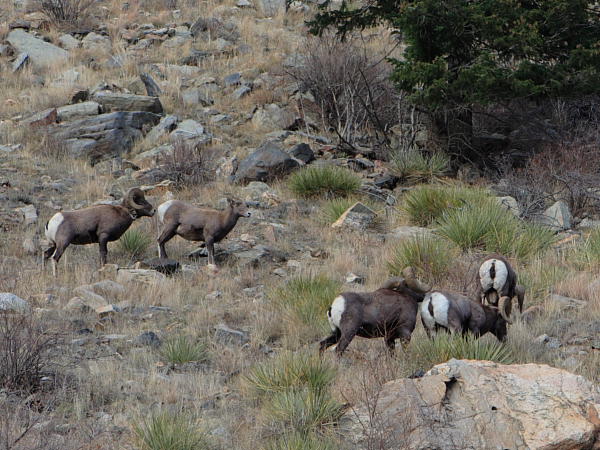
[[212, 269]]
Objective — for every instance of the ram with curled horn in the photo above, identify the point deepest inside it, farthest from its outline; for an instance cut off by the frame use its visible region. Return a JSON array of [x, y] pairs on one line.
[[456, 313], [99, 224], [389, 312]]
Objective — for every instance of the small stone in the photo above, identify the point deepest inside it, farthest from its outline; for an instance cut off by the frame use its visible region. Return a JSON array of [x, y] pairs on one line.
[[106, 310], [241, 92], [143, 276], [280, 272], [90, 298], [11, 303], [232, 79], [68, 42], [358, 216], [20, 62], [148, 338], [108, 271], [213, 295], [30, 214], [542, 339], [229, 336], [162, 265], [303, 152], [510, 204], [353, 278], [558, 216]]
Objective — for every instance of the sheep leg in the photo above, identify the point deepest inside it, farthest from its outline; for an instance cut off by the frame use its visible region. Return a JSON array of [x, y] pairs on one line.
[[348, 332], [520, 291], [167, 234], [329, 341], [210, 245], [60, 249], [103, 244]]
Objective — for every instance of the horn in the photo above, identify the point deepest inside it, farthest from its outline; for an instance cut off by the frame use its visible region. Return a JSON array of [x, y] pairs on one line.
[[520, 291], [393, 282], [133, 194], [504, 307], [413, 283]]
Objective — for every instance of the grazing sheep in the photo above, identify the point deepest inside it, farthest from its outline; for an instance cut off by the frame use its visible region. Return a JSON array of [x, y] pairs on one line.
[[496, 279], [457, 313], [96, 224], [198, 224], [389, 312]]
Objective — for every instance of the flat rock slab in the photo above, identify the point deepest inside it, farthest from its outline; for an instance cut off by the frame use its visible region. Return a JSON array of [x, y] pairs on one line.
[[41, 53], [358, 216], [268, 162], [117, 101], [483, 405]]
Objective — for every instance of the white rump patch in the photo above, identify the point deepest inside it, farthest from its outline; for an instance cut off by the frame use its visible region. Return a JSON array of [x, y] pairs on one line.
[[162, 210], [487, 282], [440, 310], [334, 315], [52, 226]]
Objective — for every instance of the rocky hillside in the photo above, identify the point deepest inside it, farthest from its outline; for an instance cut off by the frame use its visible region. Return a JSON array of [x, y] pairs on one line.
[[202, 102]]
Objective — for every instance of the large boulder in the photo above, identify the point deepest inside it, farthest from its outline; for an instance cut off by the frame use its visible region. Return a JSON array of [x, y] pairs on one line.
[[558, 216], [267, 163], [483, 405], [41, 53], [118, 101], [12, 303], [273, 117], [105, 135]]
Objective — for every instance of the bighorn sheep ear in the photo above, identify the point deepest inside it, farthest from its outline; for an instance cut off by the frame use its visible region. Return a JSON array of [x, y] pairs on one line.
[[505, 307], [393, 283], [413, 283], [520, 291], [133, 195]]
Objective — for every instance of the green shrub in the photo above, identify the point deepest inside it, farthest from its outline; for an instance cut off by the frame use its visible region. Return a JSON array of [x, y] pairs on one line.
[[134, 243], [301, 441], [414, 166], [290, 371], [305, 300], [303, 410], [488, 226], [430, 256], [425, 204], [166, 431], [587, 254], [182, 349], [445, 346], [326, 181]]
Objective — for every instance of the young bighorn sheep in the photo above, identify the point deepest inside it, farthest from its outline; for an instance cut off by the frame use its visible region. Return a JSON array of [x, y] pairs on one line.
[[96, 224], [389, 312], [457, 313], [198, 224], [497, 279]]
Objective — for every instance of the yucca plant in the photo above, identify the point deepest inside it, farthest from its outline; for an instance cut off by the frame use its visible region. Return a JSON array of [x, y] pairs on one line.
[[325, 181], [183, 349], [167, 431], [290, 371], [587, 254], [430, 256], [415, 166], [134, 243]]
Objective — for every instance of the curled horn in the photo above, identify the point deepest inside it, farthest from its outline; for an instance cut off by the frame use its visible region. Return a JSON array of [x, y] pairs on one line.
[[133, 194], [504, 307], [413, 283], [393, 282]]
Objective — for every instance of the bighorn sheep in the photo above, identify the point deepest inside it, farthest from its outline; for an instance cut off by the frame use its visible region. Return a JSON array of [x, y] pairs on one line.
[[497, 279], [389, 312], [198, 224], [457, 313], [96, 224]]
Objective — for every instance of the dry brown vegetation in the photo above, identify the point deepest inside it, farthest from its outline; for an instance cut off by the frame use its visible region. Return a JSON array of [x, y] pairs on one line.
[[107, 388]]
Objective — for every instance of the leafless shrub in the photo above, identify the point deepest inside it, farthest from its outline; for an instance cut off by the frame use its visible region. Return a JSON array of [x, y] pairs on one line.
[[351, 87], [568, 172], [189, 163], [70, 14], [24, 353]]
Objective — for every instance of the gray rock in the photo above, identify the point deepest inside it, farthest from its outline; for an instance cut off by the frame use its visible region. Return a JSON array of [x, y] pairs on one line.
[[152, 88], [164, 127], [187, 129], [241, 92], [78, 111], [149, 339], [41, 53], [89, 298], [358, 216], [243, 4], [20, 62], [108, 288], [567, 302], [510, 204], [303, 152], [142, 276], [255, 190], [46, 117], [29, 213], [162, 265], [273, 117], [116, 101], [230, 336], [195, 96], [266, 163], [154, 155], [94, 41], [11, 303], [557, 217], [270, 8], [353, 278], [68, 42], [232, 79], [103, 136]]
